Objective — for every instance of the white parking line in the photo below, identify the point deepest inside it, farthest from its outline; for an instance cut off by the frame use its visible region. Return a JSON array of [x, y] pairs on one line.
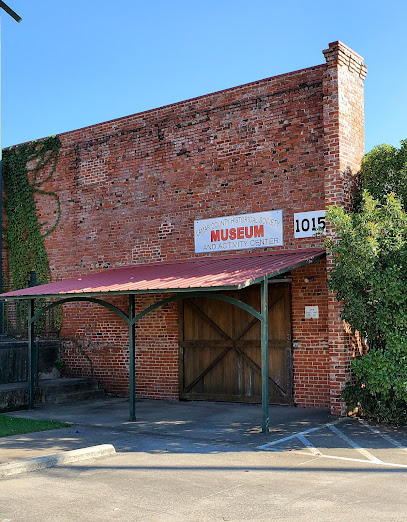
[[391, 464], [311, 447], [301, 436], [275, 442], [358, 448], [383, 435]]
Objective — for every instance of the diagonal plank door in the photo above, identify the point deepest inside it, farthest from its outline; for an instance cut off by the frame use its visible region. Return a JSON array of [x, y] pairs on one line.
[[219, 348]]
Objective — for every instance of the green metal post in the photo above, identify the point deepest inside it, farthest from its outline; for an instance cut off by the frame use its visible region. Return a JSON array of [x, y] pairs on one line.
[[31, 355], [132, 356], [36, 361], [264, 355]]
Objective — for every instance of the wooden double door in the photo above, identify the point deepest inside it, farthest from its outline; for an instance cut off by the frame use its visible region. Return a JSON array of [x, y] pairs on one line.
[[220, 348]]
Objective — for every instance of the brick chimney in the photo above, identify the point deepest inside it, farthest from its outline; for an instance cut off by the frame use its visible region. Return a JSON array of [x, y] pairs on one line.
[[343, 90]]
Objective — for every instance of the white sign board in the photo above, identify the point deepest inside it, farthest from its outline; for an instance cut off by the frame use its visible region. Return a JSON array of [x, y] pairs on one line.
[[258, 230], [306, 224], [311, 312]]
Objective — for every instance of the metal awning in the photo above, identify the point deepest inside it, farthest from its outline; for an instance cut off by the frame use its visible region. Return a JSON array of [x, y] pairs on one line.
[[210, 273], [184, 278]]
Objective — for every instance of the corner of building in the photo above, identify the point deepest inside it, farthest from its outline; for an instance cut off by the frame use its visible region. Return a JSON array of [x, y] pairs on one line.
[[343, 91]]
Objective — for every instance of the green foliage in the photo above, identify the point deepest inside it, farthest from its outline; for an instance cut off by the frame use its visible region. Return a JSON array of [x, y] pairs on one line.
[[372, 406], [26, 168], [370, 263], [60, 364], [384, 170], [23, 176], [370, 260], [16, 426]]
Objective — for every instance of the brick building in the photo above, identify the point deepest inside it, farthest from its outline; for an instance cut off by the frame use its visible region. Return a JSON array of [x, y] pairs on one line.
[[131, 191]]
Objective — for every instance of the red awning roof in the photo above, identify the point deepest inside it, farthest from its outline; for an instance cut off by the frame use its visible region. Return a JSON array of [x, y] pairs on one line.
[[209, 273]]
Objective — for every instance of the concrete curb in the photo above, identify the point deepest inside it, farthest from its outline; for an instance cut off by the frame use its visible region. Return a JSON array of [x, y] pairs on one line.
[[57, 459]]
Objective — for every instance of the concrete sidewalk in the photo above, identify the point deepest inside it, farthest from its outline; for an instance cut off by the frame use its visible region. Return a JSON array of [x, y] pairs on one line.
[[200, 424]]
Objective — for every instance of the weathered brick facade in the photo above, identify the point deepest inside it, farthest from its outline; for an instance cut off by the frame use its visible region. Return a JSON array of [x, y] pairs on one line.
[[344, 148], [130, 190]]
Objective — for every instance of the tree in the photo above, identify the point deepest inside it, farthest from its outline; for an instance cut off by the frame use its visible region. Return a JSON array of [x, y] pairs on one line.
[[384, 170], [370, 277]]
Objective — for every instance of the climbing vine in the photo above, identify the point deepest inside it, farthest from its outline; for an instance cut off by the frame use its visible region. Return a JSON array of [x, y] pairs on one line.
[[26, 168]]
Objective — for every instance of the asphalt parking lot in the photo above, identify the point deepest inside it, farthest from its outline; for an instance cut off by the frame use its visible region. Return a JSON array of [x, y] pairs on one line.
[[209, 461], [347, 440]]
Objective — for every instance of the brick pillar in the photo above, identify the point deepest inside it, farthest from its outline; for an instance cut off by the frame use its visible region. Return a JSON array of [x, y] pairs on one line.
[[343, 150]]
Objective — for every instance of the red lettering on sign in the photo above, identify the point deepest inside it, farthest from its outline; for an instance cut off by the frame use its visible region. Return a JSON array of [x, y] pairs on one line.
[[237, 233], [259, 231], [215, 235], [224, 234]]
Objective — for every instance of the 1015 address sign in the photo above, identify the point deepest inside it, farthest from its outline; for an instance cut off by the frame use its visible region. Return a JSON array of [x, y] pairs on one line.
[[306, 224]]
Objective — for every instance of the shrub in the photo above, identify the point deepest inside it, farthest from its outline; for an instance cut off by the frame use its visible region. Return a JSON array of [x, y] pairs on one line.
[[369, 276]]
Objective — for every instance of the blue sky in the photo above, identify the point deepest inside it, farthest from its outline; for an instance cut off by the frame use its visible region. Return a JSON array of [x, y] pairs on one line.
[[74, 63]]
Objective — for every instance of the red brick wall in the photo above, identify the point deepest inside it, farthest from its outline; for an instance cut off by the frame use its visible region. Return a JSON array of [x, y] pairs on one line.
[[130, 190], [310, 336], [98, 346], [344, 148], [157, 351]]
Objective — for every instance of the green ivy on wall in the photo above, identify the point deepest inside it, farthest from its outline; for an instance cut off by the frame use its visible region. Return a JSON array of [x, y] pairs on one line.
[[26, 168]]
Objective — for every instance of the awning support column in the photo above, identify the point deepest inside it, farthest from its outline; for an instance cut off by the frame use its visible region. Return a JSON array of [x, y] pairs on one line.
[[264, 355], [132, 357], [31, 355]]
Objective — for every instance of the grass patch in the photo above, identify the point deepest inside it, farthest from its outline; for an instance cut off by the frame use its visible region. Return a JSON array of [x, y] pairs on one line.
[[17, 426]]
